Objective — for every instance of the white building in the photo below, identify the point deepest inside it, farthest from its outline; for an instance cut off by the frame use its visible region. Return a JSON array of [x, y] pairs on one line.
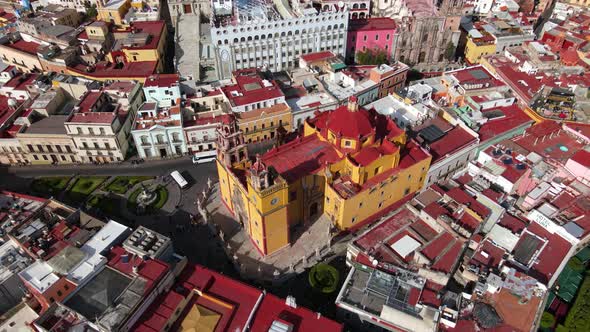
[[163, 89], [157, 132], [273, 37], [407, 111], [102, 120]]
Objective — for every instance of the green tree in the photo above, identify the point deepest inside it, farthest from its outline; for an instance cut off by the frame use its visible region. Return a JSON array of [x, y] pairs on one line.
[[371, 57], [547, 320], [450, 51], [91, 11]]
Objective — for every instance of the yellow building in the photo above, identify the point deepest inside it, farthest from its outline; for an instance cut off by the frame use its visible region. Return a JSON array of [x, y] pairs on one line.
[[113, 11], [477, 47], [141, 42], [350, 164], [264, 123]]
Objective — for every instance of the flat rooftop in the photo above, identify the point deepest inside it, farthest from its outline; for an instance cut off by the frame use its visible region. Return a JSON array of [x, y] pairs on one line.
[[93, 299], [51, 125]]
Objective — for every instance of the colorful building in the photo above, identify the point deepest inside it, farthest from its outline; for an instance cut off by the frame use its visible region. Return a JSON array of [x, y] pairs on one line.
[[265, 123], [140, 42], [113, 11], [377, 34], [479, 43], [350, 164]]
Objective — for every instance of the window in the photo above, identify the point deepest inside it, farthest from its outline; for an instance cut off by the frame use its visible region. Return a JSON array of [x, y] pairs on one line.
[[387, 37], [30, 147], [102, 131], [376, 37], [360, 205], [91, 131], [59, 149], [353, 220], [79, 130], [69, 150], [44, 157], [365, 38], [293, 196], [59, 293], [380, 204], [51, 300], [407, 191], [346, 143]]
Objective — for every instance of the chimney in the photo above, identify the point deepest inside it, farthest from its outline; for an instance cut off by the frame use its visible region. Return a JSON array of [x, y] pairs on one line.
[[352, 104]]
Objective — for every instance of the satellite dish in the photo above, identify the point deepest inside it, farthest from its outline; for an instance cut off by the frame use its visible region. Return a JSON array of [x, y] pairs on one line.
[[375, 262]]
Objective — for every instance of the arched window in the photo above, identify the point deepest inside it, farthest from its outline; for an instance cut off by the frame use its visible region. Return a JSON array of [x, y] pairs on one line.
[[235, 40], [242, 39], [355, 6], [363, 5]]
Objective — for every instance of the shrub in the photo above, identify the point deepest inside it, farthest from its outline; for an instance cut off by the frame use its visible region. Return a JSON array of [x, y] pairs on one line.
[[547, 320], [324, 278]]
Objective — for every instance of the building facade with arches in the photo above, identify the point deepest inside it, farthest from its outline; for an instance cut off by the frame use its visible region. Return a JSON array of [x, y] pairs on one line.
[[276, 44]]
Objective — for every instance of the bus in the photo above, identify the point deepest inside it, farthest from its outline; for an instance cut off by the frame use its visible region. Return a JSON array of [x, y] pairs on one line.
[[204, 157], [182, 183]]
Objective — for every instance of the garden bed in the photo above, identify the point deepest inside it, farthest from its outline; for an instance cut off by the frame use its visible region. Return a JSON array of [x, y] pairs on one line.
[[50, 185], [122, 184], [83, 187]]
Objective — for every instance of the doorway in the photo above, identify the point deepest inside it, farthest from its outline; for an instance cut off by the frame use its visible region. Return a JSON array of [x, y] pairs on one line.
[[163, 153], [313, 209], [188, 9]]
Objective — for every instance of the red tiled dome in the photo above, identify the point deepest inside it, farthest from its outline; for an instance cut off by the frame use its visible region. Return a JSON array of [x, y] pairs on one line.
[[352, 124]]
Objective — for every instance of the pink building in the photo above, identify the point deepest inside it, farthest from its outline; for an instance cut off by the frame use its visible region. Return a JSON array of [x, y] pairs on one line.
[[378, 33]]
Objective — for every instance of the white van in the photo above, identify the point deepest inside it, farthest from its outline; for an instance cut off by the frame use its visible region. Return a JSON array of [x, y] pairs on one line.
[[179, 179], [204, 157]]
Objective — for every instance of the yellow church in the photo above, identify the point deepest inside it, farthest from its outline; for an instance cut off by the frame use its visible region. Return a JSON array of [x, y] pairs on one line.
[[350, 164]]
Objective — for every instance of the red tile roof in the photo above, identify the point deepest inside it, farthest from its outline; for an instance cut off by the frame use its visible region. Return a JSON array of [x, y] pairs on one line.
[[453, 140], [447, 261], [154, 28], [468, 76], [251, 88], [350, 124], [582, 157], [552, 255], [316, 56], [557, 147], [24, 46], [463, 197], [240, 296], [132, 70], [435, 210], [512, 223], [430, 294], [152, 270], [21, 81], [514, 117], [434, 248], [372, 24], [492, 257], [300, 157], [301, 319], [162, 80], [6, 112]]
